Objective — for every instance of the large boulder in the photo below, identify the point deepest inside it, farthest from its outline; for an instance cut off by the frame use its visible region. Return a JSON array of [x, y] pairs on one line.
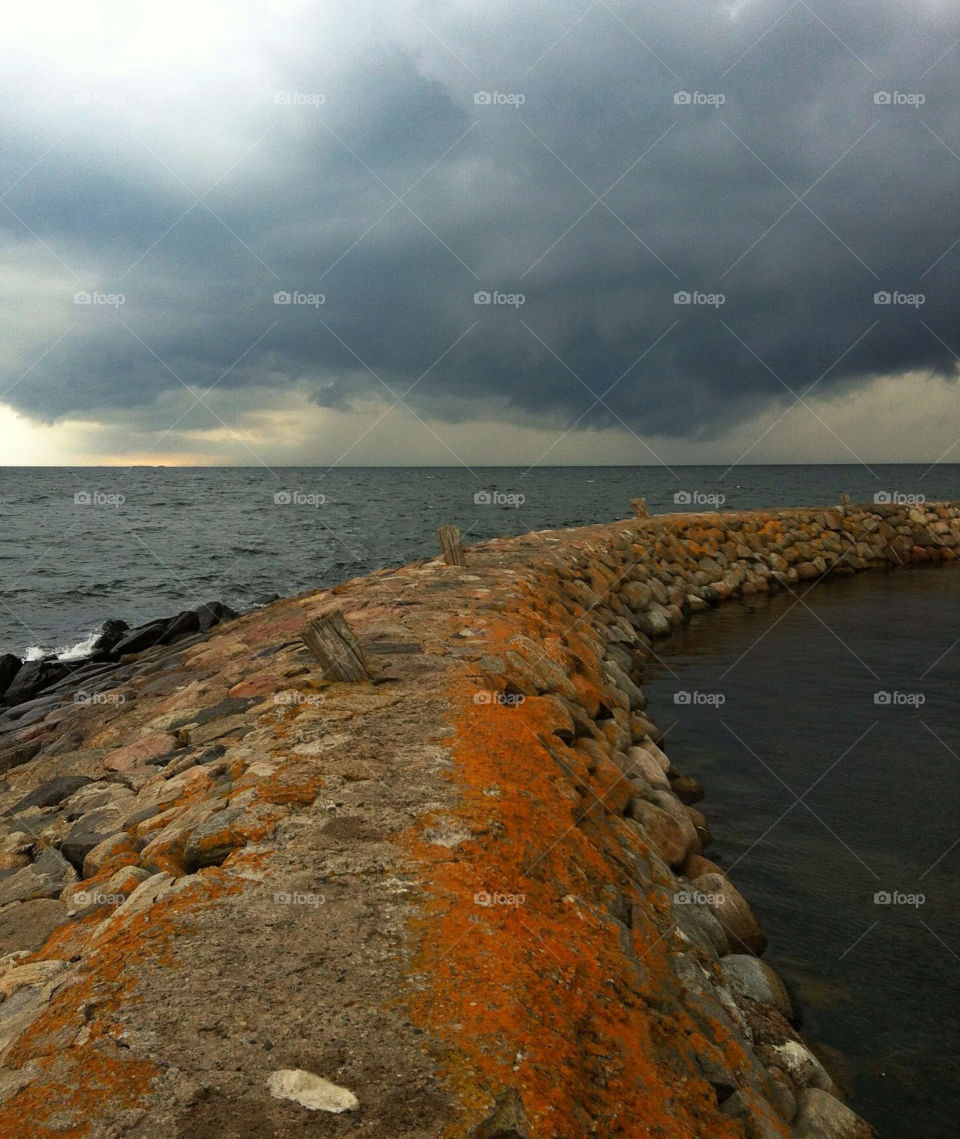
[[661, 830], [800, 1064], [730, 908], [49, 793], [32, 678], [148, 749], [111, 631], [822, 1116], [143, 637], [9, 667], [212, 613], [89, 831], [15, 754], [182, 625], [747, 976], [44, 878]]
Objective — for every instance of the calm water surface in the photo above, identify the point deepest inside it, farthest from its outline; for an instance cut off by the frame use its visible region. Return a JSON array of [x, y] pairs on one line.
[[820, 798]]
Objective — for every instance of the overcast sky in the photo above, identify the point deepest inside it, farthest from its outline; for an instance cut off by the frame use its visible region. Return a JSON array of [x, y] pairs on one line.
[[682, 215]]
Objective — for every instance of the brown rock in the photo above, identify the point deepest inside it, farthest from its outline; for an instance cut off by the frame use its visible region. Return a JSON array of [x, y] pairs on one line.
[[696, 865], [661, 830], [27, 925], [144, 751], [686, 789], [731, 910]]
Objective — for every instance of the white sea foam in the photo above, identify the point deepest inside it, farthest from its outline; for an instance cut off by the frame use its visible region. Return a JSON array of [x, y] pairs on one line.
[[65, 652], [81, 649]]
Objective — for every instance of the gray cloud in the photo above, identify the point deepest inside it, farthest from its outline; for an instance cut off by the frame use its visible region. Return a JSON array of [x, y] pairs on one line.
[[798, 199]]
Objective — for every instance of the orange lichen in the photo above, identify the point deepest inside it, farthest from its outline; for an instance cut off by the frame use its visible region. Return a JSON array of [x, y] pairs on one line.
[[73, 1041], [541, 996]]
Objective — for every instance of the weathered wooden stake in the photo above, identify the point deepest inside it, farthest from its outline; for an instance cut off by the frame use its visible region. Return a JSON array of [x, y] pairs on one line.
[[332, 642], [450, 545], [844, 499], [639, 507]]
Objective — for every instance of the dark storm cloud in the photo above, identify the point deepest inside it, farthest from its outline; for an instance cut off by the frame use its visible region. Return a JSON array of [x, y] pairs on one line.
[[798, 198]]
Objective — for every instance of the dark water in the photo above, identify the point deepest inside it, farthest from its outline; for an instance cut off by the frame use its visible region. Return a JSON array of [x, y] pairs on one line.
[[183, 536], [877, 785]]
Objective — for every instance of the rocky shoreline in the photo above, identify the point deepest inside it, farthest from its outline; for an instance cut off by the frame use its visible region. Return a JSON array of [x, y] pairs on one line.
[[468, 895]]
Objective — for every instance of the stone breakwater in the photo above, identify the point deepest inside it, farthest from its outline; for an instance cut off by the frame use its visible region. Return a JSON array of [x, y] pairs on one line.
[[467, 897]]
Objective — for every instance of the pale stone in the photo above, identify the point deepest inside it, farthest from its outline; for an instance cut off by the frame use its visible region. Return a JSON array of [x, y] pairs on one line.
[[310, 1091]]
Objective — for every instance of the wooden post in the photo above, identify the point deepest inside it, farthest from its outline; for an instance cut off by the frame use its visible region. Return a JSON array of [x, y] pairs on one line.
[[450, 545], [844, 499], [332, 642], [639, 507]]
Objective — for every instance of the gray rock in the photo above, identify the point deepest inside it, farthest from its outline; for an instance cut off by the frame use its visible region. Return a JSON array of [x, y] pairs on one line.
[[50, 793], [45, 878], [95, 795], [616, 676], [141, 638], [89, 831], [822, 1116], [16, 754], [32, 678], [750, 977], [698, 925], [9, 667], [181, 626], [111, 632], [800, 1064], [212, 613]]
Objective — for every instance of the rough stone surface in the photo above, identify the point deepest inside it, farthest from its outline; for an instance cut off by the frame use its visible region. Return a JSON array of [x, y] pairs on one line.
[[822, 1116], [44, 878], [531, 973], [749, 977]]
